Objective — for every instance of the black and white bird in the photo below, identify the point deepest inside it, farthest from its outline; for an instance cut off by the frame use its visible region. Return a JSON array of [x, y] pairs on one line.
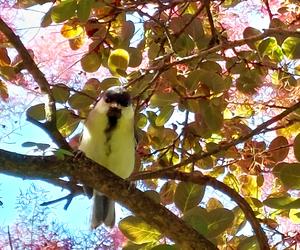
[[108, 139]]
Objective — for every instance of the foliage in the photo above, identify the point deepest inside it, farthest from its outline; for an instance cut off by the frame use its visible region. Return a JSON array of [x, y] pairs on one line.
[[212, 96]]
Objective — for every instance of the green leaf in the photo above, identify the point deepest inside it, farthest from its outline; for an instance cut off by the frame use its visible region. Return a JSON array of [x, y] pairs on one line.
[[66, 122], [135, 58], [297, 147], [212, 116], [284, 202], [60, 93], [188, 195], [290, 175], [91, 62], [84, 9], [160, 99], [61, 153], [270, 48], [197, 218], [138, 231], [63, 11], [37, 112], [164, 115], [249, 243], [219, 220], [291, 47], [46, 20], [80, 101]]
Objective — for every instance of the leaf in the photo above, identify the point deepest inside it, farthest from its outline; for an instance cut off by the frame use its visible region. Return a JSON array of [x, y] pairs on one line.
[[290, 175], [248, 32], [278, 149], [46, 20], [141, 121], [212, 117], [269, 47], [4, 58], [164, 115], [84, 9], [71, 30], [66, 122], [61, 153], [197, 218], [3, 91], [37, 112], [160, 99], [188, 195], [283, 202], [91, 62], [219, 220], [63, 11], [249, 243], [60, 93], [297, 147], [135, 57], [138, 231], [294, 216], [118, 60], [167, 192], [80, 101], [291, 47]]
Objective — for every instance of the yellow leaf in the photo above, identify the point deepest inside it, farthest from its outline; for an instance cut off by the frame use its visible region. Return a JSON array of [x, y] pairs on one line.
[[71, 30], [118, 61]]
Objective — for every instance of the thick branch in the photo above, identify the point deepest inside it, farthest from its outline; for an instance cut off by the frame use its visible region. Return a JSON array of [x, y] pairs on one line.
[[199, 178], [40, 79], [89, 173]]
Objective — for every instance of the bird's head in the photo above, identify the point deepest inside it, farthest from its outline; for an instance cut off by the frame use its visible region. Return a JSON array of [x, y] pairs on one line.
[[117, 96]]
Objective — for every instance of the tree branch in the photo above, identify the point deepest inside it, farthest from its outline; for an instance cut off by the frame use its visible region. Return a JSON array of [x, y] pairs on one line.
[[89, 173], [40, 79], [198, 178], [199, 156]]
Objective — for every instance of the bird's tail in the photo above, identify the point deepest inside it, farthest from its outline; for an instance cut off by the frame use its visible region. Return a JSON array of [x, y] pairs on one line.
[[103, 211]]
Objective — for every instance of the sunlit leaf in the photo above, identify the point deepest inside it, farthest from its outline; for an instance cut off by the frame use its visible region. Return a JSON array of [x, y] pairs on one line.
[[284, 202], [164, 115], [118, 61], [291, 47], [294, 215], [63, 11], [219, 220], [71, 30], [66, 122], [138, 231], [188, 195]]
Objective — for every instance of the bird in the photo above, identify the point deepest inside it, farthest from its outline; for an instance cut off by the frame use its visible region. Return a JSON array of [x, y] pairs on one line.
[[108, 139]]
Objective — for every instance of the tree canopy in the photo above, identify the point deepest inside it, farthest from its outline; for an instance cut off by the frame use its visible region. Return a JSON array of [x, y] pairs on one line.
[[215, 87]]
